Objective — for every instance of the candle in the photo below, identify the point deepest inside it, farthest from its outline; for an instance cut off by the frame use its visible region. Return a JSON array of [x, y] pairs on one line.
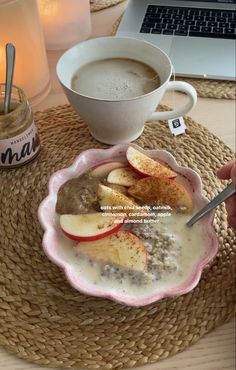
[[20, 25], [65, 22]]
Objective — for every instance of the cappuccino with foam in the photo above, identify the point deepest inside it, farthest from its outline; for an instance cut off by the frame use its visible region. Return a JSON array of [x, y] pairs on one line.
[[115, 79]]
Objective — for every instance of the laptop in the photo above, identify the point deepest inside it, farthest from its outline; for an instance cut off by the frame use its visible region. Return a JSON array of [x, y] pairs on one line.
[[199, 37]]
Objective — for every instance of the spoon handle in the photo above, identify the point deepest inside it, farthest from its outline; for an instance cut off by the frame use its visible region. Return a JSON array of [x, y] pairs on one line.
[[10, 64], [223, 195]]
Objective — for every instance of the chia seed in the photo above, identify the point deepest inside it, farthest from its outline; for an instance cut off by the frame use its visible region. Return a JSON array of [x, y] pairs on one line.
[[163, 251]]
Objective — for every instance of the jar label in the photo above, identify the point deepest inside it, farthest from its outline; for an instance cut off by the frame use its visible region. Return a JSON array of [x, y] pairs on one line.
[[19, 149]]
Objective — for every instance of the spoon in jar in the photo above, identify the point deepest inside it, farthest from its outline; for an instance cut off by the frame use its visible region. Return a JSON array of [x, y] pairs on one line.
[[10, 64], [221, 197]]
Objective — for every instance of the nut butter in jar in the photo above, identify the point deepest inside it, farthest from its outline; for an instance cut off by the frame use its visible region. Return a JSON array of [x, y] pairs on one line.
[[19, 140]]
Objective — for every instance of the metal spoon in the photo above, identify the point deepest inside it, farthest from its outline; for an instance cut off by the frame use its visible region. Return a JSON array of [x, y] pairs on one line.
[[10, 64], [221, 197]]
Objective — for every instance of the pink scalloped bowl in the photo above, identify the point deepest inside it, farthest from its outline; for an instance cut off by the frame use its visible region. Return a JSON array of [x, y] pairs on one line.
[[53, 234]]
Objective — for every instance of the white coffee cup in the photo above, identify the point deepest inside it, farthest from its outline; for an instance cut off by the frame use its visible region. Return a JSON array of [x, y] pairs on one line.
[[121, 121]]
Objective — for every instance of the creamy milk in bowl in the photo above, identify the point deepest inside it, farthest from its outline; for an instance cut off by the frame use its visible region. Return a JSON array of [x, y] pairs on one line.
[[115, 221]]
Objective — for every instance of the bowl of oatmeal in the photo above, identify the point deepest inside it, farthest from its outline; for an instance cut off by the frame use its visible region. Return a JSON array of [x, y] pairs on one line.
[[115, 222]]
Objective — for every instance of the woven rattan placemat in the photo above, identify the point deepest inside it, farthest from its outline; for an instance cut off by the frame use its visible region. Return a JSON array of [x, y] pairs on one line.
[[217, 89], [103, 4], [44, 320]]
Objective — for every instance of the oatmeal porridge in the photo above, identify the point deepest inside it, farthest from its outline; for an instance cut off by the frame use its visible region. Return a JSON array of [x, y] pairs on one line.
[[145, 250]]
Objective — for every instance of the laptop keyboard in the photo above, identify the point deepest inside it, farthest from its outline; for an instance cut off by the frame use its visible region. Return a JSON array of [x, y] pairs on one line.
[[191, 22]]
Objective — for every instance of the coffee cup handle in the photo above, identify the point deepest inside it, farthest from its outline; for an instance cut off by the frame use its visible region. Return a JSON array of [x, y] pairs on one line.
[[178, 112]]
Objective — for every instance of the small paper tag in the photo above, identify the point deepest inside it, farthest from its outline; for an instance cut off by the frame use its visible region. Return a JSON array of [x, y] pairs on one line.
[[177, 126]]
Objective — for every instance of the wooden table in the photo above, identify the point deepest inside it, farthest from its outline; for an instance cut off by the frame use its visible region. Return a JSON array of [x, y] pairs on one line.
[[216, 351]]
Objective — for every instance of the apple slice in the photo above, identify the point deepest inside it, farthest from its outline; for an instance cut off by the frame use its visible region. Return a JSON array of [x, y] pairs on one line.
[[146, 166], [116, 202], [90, 226], [122, 248], [103, 169], [162, 191], [122, 176], [121, 189]]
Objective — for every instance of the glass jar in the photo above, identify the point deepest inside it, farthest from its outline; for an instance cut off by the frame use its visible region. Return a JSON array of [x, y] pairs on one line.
[[20, 24], [19, 140], [65, 22]]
